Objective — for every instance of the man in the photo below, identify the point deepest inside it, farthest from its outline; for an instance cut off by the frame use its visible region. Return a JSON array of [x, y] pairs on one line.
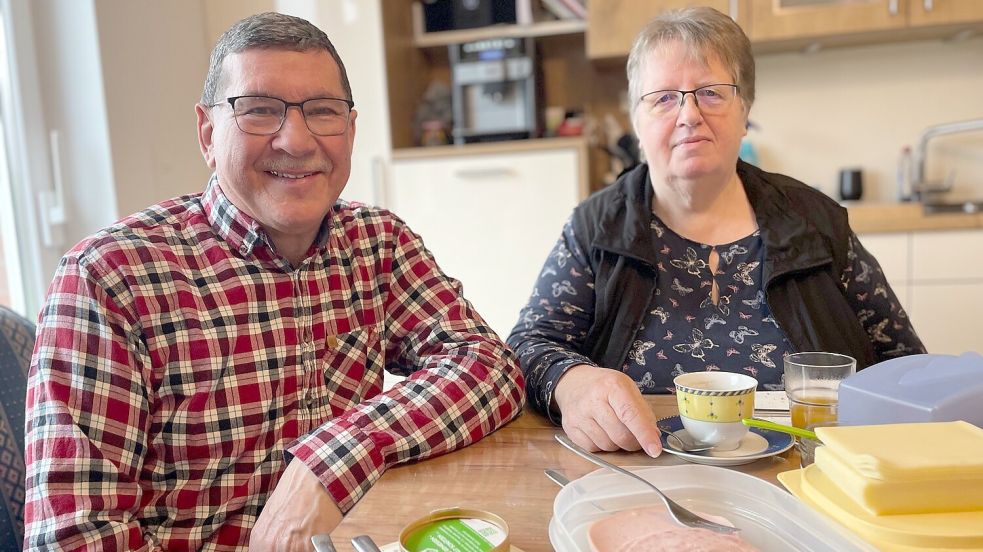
[[208, 372]]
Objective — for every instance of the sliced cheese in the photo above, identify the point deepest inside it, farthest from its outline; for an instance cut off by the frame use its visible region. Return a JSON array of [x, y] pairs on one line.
[[884, 497], [909, 452]]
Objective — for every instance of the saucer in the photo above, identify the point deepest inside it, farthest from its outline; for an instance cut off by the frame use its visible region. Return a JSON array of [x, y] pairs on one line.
[[758, 443]]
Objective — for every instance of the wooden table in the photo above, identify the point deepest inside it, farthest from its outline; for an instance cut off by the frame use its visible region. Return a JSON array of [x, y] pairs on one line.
[[503, 474]]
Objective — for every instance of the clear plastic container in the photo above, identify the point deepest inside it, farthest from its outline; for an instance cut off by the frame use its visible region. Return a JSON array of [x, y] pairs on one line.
[[769, 518], [916, 388]]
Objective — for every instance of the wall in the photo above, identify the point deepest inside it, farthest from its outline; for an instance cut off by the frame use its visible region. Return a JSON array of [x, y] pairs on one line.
[[154, 60], [859, 106], [73, 100]]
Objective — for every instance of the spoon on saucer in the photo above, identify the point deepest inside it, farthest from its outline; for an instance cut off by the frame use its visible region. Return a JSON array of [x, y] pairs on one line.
[[681, 444]]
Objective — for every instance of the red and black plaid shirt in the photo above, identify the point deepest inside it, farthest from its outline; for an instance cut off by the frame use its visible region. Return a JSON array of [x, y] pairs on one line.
[[180, 363]]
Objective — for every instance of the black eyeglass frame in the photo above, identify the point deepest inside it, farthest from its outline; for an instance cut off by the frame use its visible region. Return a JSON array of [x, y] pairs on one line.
[[287, 105], [682, 97]]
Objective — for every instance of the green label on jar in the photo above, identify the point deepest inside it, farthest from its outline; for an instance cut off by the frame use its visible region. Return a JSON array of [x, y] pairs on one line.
[[456, 535]]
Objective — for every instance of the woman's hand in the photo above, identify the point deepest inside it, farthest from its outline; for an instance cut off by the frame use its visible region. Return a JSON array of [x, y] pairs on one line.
[[603, 410]]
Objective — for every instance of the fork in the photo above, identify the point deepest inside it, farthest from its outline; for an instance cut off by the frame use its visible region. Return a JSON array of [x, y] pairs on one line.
[[678, 513]]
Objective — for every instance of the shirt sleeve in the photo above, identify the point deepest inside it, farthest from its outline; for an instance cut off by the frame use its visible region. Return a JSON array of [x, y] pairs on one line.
[[877, 307], [87, 418], [553, 325], [466, 383]]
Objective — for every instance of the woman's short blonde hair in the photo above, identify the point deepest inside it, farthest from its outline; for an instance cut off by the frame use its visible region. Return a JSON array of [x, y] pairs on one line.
[[705, 33]]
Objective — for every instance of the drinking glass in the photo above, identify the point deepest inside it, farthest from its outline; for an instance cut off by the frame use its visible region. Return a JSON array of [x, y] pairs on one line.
[[812, 382]]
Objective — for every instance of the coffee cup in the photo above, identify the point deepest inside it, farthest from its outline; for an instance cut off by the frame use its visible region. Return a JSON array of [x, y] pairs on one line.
[[712, 406]]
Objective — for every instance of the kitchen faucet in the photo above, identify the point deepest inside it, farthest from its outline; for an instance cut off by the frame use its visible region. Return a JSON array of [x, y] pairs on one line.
[[919, 186]]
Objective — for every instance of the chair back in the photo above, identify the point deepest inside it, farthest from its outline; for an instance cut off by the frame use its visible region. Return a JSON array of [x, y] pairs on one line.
[[16, 347]]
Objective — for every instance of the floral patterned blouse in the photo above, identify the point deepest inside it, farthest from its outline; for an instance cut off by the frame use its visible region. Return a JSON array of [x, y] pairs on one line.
[[686, 330]]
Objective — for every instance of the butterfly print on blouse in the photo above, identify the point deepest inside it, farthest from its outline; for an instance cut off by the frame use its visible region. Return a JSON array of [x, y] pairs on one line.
[[696, 346], [691, 263], [760, 352], [647, 381], [740, 333], [638, 349], [569, 308], [562, 255], [714, 318], [561, 325], [564, 286], [734, 250], [723, 304], [744, 270], [659, 230], [759, 299], [876, 331], [661, 313], [864, 275], [680, 288]]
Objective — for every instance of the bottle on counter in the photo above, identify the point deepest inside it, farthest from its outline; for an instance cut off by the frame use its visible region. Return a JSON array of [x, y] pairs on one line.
[[905, 185]]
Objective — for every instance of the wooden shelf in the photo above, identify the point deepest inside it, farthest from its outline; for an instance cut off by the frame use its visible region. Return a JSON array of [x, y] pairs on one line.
[[423, 39]]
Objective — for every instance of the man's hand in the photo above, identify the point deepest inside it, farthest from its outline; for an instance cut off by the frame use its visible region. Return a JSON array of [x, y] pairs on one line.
[[298, 508], [603, 410]]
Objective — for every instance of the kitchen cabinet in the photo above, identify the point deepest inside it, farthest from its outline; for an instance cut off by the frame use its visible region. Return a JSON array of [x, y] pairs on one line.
[[490, 216], [892, 252], [783, 25], [947, 289], [939, 282], [944, 12], [613, 24], [772, 20]]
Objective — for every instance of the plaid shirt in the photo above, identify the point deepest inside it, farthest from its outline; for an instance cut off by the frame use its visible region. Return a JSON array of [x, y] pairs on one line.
[[181, 363]]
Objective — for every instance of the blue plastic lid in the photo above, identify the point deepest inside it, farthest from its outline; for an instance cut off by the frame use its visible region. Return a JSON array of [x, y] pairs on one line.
[[917, 388]]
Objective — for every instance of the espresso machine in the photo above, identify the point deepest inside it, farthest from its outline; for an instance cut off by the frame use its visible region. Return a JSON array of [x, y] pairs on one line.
[[494, 90]]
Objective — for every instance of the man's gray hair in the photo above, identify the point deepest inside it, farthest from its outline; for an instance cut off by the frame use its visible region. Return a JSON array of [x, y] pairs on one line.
[[269, 30], [704, 33]]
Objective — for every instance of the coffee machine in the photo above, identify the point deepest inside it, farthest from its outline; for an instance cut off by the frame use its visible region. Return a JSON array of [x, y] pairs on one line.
[[494, 90]]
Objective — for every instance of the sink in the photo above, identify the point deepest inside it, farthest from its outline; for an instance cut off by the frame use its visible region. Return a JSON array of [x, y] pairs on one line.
[[937, 208]]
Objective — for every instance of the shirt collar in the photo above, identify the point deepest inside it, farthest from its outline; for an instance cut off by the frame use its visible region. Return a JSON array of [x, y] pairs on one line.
[[239, 230]]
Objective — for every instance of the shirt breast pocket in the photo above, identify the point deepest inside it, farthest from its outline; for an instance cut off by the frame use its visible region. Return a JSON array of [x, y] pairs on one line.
[[352, 367]]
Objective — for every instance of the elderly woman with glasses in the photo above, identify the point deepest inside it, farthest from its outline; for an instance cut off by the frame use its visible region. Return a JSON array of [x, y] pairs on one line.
[[694, 260]]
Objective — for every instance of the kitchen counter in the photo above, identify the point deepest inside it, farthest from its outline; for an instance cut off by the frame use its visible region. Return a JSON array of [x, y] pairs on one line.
[[867, 218]]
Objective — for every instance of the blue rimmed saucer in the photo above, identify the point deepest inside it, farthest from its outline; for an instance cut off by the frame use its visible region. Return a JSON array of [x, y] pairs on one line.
[[757, 444]]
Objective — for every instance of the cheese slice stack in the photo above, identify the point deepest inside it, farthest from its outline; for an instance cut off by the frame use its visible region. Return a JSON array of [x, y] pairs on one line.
[[906, 468]]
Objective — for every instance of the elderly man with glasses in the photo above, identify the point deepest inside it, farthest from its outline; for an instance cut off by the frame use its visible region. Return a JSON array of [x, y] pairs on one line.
[[208, 372]]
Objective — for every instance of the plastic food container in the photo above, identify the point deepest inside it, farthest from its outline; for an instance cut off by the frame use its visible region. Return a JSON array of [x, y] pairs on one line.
[[901, 533], [917, 388], [769, 518]]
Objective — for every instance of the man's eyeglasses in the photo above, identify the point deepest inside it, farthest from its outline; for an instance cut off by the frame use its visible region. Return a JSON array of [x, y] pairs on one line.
[[711, 99], [264, 115]]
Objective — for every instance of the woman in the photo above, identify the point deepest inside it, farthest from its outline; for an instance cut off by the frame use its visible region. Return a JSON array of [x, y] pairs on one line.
[[696, 260]]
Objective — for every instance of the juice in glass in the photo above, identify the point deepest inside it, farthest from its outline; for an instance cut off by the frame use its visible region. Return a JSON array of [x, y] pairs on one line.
[[809, 407]]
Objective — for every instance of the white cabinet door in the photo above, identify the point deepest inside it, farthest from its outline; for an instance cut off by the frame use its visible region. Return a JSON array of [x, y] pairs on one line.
[[948, 255], [892, 253], [948, 316], [489, 219], [947, 290]]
